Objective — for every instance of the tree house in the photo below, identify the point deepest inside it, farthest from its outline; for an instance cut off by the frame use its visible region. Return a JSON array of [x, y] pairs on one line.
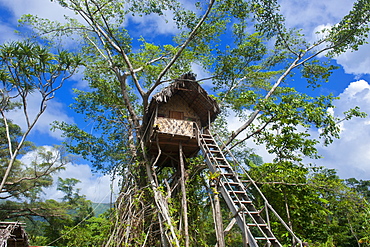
[[175, 116], [12, 234], [177, 123]]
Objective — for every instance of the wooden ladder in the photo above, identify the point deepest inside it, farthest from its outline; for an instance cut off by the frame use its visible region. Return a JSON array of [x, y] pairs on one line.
[[256, 232]]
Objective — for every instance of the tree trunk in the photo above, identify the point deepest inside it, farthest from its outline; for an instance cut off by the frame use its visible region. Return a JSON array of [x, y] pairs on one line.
[[288, 215], [161, 202], [184, 201], [218, 217]]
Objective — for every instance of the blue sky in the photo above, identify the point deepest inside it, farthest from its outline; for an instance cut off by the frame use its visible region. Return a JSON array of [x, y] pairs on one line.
[[350, 155]]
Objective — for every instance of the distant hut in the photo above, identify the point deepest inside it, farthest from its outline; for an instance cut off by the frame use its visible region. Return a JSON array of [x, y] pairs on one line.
[[175, 116], [12, 234]]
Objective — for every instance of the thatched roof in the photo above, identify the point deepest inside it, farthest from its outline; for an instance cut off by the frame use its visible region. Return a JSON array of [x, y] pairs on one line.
[[193, 94], [12, 234]]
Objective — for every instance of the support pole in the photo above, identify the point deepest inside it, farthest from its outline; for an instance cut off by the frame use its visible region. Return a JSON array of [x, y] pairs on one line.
[[218, 216], [184, 201]]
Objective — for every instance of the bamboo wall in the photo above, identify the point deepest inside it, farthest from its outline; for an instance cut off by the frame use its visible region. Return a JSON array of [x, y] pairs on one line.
[[174, 126]]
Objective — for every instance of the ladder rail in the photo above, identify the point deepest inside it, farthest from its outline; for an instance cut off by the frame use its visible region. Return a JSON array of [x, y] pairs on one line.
[[268, 205], [209, 157], [230, 195], [234, 198]]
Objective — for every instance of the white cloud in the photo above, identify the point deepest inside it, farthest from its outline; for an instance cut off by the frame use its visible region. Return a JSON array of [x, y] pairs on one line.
[[309, 14], [154, 24], [202, 74], [81, 84], [199, 71], [318, 30], [356, 62], [7, 34], [97, 188], [44, 9], [350, 154], [356, 89]]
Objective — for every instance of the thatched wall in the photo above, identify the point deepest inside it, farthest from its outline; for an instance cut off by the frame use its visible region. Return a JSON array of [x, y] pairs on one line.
[[174, 126], [176, 103], [12, 234]]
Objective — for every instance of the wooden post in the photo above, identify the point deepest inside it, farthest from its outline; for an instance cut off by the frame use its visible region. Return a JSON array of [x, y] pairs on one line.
[[184, 201], [209, 119], [218, 216]]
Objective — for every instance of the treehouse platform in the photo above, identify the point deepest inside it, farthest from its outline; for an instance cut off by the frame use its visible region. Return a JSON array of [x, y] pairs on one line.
[[174, 118]]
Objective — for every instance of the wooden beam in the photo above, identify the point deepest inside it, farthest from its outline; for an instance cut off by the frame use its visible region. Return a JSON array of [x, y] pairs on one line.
[[231, 224], [218, 216], [195, 144], [184, 200]]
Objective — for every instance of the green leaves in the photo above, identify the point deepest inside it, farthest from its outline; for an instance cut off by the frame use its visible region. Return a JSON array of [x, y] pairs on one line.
[[26, 67], [317, 72], [152, 7], [67, 186], [92, 232], [352, 31], [318, 205]]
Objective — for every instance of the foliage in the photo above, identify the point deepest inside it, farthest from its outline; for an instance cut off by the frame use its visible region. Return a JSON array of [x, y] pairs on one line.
[[26, 68], [71, 212], [316, 203], [92, 232], [22, 194], [27, 180], [23, 190]]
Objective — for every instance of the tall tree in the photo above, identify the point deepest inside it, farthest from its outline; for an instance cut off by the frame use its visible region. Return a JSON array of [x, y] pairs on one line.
[[22, 192], [29, 69], [25, 68], [76, 211], [249, 68]]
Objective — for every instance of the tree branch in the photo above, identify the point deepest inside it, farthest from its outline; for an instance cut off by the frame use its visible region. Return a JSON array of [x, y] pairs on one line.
[[182, 47], [254, 133]]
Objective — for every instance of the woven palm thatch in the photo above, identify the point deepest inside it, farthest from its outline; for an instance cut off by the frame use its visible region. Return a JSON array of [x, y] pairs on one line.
[[175, 127], [12, 234]]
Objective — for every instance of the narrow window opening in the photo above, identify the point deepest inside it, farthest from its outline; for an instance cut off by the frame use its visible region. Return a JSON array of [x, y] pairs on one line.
[[177, 115]]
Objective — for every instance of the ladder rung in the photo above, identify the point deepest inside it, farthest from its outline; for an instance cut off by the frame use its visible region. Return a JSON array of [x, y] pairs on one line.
[[207, 141], [232, 183], [223, 166], [264, 238], [218, 158], [211, 145], [243, 202], [253, 224], [237, 192]]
